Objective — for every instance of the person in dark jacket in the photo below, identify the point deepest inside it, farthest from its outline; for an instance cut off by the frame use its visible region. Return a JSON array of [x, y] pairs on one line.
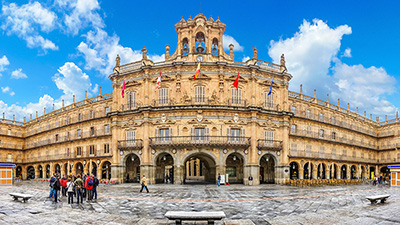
[[63, 182], [94, 190], [57, 187], [52, 181], [78, 187]]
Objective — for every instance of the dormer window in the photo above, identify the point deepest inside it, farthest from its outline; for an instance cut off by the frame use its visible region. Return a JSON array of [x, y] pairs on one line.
[[185, 47], [200, 43]]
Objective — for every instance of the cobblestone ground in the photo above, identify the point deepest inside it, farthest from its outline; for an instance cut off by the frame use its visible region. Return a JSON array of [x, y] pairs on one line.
[[264, 204]]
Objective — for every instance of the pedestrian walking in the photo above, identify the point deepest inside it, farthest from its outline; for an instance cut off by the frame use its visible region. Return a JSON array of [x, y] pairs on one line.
[[57, 187], [96, 184], [89, 182], [52, 181], [70, 190], [83, 187], [78, 187], [144, 184], [219, 179], [63, 183]]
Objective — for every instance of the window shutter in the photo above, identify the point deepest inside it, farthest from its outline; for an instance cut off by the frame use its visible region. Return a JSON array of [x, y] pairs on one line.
[[157, 135], [134, 99], [192, 133], [170, 134], [95, 150], [128, 101], [207, 133], [242, 135]]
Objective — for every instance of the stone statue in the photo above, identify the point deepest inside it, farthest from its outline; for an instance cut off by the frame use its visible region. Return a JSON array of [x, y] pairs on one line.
[[283, 63], [255, 52], [144, 52], [214, 97], [185, 97], [117, 61]]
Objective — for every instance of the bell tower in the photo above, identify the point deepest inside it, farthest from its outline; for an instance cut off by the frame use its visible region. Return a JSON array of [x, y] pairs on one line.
[[199, 36]]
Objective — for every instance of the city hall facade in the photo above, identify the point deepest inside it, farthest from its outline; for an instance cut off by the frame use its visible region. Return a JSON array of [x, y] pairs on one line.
[[190, 130]]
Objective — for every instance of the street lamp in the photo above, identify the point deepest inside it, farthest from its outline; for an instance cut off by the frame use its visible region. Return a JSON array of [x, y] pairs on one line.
[[98, 162]]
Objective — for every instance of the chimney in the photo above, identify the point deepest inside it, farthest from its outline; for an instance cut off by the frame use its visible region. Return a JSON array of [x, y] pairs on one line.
[[73, 99], [301, 89], [63, 103], [37, 115], [100, 90], [338, 102], [85, 94]]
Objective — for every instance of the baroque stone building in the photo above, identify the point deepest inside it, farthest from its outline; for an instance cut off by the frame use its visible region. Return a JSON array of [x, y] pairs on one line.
[[191, 130]]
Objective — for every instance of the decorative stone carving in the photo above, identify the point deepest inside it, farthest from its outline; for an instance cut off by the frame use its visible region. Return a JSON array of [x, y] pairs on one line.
[[163, 117], [236, 117]]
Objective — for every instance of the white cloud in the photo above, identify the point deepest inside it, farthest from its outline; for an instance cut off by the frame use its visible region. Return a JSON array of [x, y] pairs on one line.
[[5, 89], [18, 74], [245, 58], [3, 63], [82, 14], [25, 21], [31, 108], [227, 40], [12, 93], [311, 57], [100, 51], [347, 53]]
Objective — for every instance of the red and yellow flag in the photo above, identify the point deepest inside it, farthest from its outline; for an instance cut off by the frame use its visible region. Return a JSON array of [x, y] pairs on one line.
[[197, 71]]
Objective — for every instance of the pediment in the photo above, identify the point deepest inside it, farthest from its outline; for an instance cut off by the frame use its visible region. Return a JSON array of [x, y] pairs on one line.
[[131, 123], [132, 83], [233, 78], [201, 76], [164, 78]]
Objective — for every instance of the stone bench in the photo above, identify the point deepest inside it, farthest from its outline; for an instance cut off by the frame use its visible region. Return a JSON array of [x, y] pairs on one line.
[[178, 216], [374, 199], [25, 197]]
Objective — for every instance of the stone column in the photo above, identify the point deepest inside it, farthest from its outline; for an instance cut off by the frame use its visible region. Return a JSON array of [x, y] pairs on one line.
[[314, 172], [37, 171], [281, 174], [178, 173], [348, 171], [301, 173], [117, 172]]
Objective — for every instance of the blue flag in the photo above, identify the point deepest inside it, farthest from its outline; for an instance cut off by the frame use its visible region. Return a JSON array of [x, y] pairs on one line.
[[270, 87]]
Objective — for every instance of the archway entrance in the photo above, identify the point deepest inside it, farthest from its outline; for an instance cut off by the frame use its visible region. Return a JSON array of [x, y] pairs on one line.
[[48, 171], [30, 172], [321, 171], [333, 171], [372, 172], [200, 169], [294, 170], [132, 165], [19, 172], [79, 168], [267, 163], [308, 169], [343, 172], [106, 170], [57, 169], [353, 172], [385, 171], [234, 168], [164, 169], [40, 171]]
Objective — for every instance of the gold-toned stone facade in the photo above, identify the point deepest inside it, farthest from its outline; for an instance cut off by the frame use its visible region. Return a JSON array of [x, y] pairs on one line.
[[192, 130]]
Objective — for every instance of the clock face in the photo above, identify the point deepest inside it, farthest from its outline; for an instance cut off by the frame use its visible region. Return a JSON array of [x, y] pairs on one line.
[[199, 58]]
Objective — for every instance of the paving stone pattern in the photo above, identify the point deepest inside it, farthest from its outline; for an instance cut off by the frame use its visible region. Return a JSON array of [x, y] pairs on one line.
[[264, 204]]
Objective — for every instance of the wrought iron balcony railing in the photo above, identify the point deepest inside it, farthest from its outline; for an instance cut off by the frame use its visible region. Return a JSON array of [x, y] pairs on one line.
[[130, 144], [263, 144], [193, 141]]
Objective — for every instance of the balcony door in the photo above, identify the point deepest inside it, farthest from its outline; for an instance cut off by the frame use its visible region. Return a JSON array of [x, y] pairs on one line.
[[269, 138], [130, 138]]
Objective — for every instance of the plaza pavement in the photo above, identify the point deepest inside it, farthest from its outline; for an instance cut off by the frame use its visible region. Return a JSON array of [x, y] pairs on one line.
[[264, 204]]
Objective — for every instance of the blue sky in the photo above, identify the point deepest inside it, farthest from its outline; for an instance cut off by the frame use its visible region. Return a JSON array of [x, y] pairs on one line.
[[53, 49]]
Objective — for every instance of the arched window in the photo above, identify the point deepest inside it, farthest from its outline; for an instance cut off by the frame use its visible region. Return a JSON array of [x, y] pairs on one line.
[[199, 94], [269, 100], [185, 47], [215, 47], [131, 100], [200, 46], [163, 96], [236, 96]]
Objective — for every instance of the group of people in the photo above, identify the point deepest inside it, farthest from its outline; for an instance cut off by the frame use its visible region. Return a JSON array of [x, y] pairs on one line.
[[379, 180], [81, 186]]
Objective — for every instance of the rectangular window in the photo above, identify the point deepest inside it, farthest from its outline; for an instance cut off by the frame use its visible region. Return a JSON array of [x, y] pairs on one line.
[[67, 153], [106, 128], [79, 133], [236, 96], [199, 133], [163, 96], [106, 110], [130, 137], [235, 134], [321, 117], [91, 114], [79, 117], [308, 130], [9, 132], [308, 113], [56, 137], [294, 128], [131, 100], [321, 133], [269, 138], [91, 131], [268, 100], [199, 94], [9, 157], [91, 147], [231, 171], [164, 134], [333, 136], [106, 148], [294, 110], [78, 150], [333, 120]]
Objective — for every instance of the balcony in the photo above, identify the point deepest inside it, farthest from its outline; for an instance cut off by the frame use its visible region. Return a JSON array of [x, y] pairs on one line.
[[269, 144], [199, 141], [329, 156], [134, 144]]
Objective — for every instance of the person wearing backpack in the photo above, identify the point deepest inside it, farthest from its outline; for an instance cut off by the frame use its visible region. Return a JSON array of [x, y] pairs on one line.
[[89, 182], [52, 181], [94, 190], [70, 190], [78, 187]]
